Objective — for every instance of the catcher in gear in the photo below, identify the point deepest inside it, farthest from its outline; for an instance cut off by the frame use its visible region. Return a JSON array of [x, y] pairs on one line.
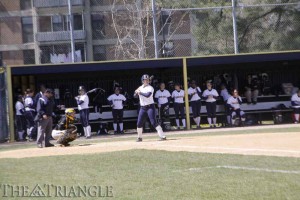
[[65, 130]]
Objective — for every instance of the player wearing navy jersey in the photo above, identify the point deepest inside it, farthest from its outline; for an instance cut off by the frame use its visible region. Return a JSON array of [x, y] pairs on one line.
[[29, 113], [210, 95], [116, 101], [234, 102], [147, 108], [178, 96], [20, 120], [295, 100], [45, 106], [83, 107], [162, 97], [194, 93]]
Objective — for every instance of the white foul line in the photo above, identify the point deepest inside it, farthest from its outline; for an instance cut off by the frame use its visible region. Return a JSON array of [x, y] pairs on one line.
[[241, 168], [231, 148]]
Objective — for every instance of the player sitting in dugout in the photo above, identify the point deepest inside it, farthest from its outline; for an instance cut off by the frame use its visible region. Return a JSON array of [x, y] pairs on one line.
[[295, 100], [234, 102], [65, 131]]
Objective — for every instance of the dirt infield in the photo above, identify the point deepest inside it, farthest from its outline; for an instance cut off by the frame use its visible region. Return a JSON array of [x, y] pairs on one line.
[[270, 144]]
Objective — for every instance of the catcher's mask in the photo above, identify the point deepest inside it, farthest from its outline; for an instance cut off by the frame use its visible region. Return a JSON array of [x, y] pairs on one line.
[[69, 111]]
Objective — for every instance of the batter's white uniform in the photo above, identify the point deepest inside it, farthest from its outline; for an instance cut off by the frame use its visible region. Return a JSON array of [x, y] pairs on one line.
[[144, 101]]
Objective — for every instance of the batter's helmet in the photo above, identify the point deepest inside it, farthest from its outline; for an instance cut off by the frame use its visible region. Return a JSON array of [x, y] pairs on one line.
[[145, 76], [81, 88]]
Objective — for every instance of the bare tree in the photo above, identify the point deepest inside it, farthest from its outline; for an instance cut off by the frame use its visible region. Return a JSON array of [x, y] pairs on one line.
[[132, 25]]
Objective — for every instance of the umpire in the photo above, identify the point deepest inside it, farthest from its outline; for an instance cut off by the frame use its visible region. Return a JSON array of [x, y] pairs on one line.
[[45, 106]]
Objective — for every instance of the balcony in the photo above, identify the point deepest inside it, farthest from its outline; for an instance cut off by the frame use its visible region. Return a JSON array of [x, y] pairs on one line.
[[56, 3], [60, 36]]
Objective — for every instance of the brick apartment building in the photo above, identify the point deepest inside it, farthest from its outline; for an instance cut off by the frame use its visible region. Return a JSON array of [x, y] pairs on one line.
[[37, 31]]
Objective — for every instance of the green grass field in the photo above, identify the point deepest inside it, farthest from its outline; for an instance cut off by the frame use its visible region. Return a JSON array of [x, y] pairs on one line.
[[143, 174], [153, 174]]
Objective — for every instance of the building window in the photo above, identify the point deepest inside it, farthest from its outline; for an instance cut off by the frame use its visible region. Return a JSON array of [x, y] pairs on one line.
[[78, 22], [98, 27], [99, 53], [97, 2], [61, 53], [168, 49], [25, 4], [27, 29], [45, 24], [59, 23], [28, 56]]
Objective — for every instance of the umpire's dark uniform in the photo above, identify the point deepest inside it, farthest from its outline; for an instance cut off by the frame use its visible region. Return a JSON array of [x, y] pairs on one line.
[[45, 106]]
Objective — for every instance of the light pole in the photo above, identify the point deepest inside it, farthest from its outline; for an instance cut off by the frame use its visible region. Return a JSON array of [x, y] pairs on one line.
[[71, 31], [154, 28], [235, 37]]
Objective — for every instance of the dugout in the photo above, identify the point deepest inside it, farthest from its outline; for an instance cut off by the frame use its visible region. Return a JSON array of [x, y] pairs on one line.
[[281, 67]]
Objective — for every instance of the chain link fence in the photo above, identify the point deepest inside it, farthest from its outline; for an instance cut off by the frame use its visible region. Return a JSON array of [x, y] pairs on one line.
[[3, 108], [36, 32]]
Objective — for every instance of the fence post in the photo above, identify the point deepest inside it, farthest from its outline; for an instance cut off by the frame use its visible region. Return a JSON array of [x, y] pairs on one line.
[[186, 96], [71, 30], [235, 36], [154, 28], [10, 105]]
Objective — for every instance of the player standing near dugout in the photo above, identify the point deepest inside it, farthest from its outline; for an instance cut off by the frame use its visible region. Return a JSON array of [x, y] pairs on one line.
[[234, 103], [30, 113], [116, 101], [20, 119], [45, 106], [147, 108], [178, 96], [295, 100], [225, 96], [163, 99], [83, 107], [194, 93], [210, 96]]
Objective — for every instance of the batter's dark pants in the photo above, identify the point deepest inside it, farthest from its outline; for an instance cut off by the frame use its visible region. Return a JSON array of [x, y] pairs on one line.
[[196, 108], [84, 117], [20, 122], [144, 112], [117, 115], [179, 109], [211, 109]]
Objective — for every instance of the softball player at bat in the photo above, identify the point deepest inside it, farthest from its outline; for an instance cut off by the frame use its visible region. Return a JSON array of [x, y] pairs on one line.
[[116, 101], [178, 95], [83, 107], [296, 106], [194, 93], [234, 103], [210, 95], [147, 108], [163, 98]]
